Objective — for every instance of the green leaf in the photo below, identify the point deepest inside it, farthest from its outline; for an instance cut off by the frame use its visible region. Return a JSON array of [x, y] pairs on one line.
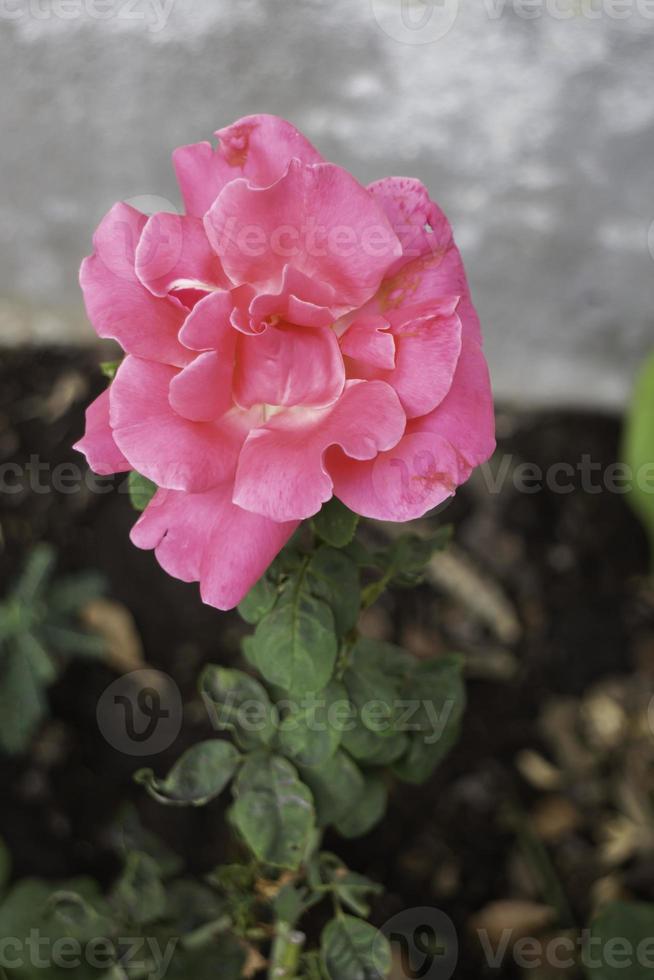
[[129, 834], [354, 950], [403, 562], [23, 703], [364, 746], [40, 662], [197, 777], [337, 786], [73, 642], [68, 595], [368, 809], [352, 889], [638, 448], [410, 554], [273, 810], [311, 967], [194, 906], [360, 555], [72, 909], [335, 524], [295, 646], [223, 958], [141, 490], [238, 703], [334, 577], [36, 573], [259, 601], [374, 679], [71, 913], [110, 368], [289, 904], [139, 896], [628, 924], [373, 688], [434, 696], [310, 733]]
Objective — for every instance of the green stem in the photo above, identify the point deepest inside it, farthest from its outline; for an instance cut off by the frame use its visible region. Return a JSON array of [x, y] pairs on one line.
[[286, 950]]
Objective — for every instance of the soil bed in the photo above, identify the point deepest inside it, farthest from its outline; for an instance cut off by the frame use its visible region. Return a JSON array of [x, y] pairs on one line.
[[571, 567]]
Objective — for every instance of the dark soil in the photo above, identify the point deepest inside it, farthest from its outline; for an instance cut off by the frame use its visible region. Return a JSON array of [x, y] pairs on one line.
[[571, 565]]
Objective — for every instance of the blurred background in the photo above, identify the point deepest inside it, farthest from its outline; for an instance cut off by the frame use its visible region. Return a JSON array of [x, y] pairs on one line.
[[533, 126]]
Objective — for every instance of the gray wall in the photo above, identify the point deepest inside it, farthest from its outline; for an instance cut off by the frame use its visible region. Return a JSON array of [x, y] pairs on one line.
[[536, 135]]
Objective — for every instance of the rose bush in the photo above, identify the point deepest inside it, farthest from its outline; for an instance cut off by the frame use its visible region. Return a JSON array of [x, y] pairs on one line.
[[293, 336]]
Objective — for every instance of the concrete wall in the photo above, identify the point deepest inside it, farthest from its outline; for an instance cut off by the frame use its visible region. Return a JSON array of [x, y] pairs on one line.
[[532, 121]]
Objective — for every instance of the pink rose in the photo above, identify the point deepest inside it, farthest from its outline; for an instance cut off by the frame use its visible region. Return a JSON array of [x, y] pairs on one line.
[[293, 336]]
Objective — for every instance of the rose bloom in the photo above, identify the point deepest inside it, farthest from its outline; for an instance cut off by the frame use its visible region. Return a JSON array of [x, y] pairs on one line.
[[293, 336]]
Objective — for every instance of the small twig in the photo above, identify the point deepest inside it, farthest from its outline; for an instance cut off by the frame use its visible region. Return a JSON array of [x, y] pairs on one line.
[[286, 950]]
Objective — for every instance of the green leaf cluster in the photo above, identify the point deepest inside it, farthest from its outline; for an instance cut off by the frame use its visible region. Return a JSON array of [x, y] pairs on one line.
[[150, 924], [39, 633], [318, 738]]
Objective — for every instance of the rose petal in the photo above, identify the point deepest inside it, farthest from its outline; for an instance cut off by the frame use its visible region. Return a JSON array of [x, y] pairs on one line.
[[368, 340], [257, 147], [97, 443], [314, 310], [170, 450], [415, 476], [437, 453], [205, 326], [281, 472], [431, 264], [418, 222], [316, 220], [118, 305], [205, 537], [427, 348], [174, 253], [466, 417], [203, 390], [289, 365]]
